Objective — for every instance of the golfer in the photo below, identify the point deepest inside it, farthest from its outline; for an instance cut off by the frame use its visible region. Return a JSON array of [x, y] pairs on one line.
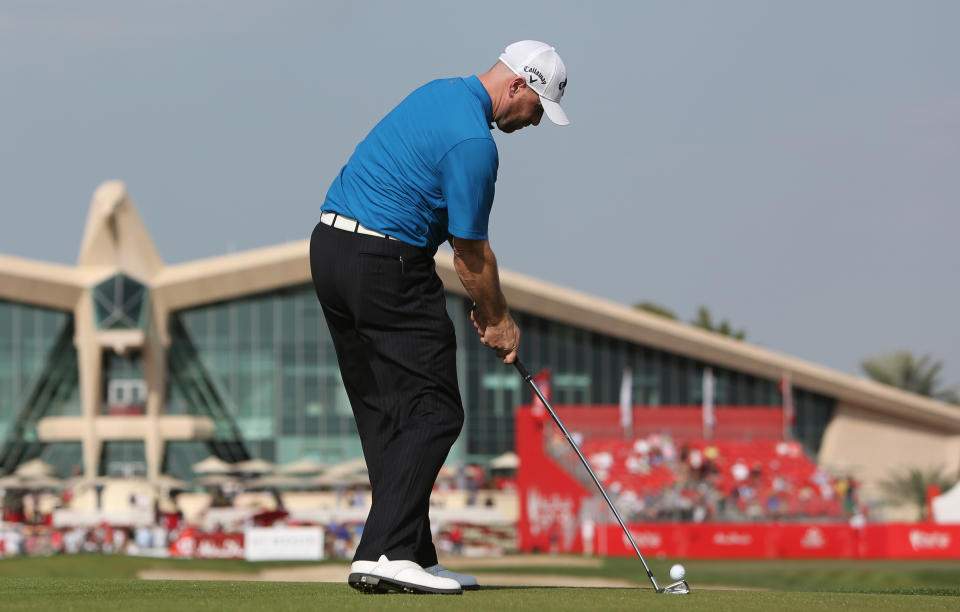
[[424, 175]]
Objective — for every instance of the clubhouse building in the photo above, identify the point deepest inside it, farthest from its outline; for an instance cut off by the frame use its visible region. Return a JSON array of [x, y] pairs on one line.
[[123, 365]]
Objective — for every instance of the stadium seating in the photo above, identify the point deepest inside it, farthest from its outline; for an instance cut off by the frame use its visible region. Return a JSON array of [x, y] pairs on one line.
[[660, 478]]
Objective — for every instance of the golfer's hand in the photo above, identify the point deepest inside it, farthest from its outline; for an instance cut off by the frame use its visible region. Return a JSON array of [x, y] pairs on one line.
[[502, 336]]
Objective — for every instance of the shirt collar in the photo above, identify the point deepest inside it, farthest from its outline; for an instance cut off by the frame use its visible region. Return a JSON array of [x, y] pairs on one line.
[[477, 89]]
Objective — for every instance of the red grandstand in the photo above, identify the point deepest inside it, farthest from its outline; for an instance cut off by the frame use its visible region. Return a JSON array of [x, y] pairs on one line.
[[745, 492]]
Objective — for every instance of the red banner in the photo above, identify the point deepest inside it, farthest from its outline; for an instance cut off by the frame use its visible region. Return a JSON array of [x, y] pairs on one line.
[[549, 496], [782, 541], [817, 541], [197, 545], [551, 499]]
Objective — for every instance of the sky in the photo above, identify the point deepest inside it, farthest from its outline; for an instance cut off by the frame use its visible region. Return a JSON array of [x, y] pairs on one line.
[[794, 166]]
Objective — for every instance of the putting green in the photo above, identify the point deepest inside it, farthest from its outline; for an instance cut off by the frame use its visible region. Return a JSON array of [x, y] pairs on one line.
[[109, 583], [126, 594]]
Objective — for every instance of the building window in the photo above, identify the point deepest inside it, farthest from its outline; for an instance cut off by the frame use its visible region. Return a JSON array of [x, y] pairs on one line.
[[120, 303]]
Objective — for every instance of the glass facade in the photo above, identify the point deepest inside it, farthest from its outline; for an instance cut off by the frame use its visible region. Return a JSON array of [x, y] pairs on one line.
[[124, 458], [38, 377], [272, 358], [587, 368], [120, 303]]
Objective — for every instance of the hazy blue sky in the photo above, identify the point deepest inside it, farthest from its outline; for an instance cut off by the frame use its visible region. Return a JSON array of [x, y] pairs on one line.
[[795, 166]]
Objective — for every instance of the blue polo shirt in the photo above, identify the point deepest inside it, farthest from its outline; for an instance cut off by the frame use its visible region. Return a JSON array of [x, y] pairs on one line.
[[427, 170]]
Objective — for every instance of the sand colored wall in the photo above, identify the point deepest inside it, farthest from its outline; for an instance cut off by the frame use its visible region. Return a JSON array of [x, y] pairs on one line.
[[869, 445]]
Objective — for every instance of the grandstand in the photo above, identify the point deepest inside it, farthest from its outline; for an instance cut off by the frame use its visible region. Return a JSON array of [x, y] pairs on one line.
[[665, 468]]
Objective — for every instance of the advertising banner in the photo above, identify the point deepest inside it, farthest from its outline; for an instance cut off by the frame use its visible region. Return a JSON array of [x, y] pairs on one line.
[[782, 541], [197, 545], [283, 544]]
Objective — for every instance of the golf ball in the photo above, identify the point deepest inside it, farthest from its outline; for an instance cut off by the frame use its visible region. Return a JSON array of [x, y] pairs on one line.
[[677, 572]]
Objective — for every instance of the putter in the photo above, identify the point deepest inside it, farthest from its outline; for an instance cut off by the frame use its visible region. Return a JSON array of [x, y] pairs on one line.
[[679, 587]]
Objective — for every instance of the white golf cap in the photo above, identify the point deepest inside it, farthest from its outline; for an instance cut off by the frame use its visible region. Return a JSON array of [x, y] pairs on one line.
[[544, 71]]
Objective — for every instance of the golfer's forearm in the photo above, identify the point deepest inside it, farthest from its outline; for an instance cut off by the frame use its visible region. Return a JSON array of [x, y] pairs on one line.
[[476, 265]]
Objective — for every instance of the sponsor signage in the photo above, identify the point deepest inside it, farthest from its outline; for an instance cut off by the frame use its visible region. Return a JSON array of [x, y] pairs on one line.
[[197, 545], [283, 543], [783, 541]]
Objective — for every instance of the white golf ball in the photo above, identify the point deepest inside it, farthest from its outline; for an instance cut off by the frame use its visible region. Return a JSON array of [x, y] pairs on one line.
[[677, 572]]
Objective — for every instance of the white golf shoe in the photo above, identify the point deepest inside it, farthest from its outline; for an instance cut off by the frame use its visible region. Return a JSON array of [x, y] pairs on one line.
[[362, 567], [467, 582], [405, 576]]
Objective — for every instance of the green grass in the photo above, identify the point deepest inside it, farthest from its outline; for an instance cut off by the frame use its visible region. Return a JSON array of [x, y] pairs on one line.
[[933, 577], [107, 583], [120, 566]]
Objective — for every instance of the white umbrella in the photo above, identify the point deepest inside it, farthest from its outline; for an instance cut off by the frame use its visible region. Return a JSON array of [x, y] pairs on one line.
[[212, 465], [41, 484], [253, 466], [34, 468], [352, 466], [302, 466], [347, 480], [352, 471], [507, 461], [11, 482], [216, 480]]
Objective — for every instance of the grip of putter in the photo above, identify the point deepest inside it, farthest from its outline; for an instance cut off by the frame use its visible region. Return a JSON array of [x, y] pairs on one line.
[[522, 369]]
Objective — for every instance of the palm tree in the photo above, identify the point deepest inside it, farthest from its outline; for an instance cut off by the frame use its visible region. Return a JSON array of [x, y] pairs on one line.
[[705, 321], [909, 487], [905, 371], [656, 309]]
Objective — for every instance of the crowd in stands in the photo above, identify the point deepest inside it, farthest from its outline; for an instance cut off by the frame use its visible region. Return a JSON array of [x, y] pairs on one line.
[[657, 478], [205, 512], [652, 478]]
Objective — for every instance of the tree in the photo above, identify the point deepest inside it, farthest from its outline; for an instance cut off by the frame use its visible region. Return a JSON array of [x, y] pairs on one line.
[[905, 371], [909, 487], [656, 309], [705, 321]]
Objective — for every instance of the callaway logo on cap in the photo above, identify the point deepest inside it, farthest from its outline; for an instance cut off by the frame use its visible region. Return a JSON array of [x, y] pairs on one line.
[[540, 65]]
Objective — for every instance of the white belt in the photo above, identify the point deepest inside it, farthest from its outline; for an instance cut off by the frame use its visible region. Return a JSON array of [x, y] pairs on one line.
[[351, 225]]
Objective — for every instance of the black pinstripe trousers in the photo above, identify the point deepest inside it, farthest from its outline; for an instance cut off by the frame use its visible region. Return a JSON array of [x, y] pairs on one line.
[[396, 346]]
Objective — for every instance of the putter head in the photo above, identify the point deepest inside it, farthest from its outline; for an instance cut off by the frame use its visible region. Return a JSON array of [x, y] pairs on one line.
[[679, 587]]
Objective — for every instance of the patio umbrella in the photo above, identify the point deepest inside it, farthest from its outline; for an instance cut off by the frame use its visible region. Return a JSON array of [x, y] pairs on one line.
[[11, 482], [348, 480], [34, 468], [41, 484], [216, 480], [253, 466], [507, 461], [302, 466], [212, 465], [351, 466]]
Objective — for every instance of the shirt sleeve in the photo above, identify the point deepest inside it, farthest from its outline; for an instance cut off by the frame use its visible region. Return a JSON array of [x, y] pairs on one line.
[[468, 173]]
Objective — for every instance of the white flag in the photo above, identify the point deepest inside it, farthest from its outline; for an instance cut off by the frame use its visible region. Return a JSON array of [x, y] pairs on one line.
[[709, 419], [789, 411], [626, 399]]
